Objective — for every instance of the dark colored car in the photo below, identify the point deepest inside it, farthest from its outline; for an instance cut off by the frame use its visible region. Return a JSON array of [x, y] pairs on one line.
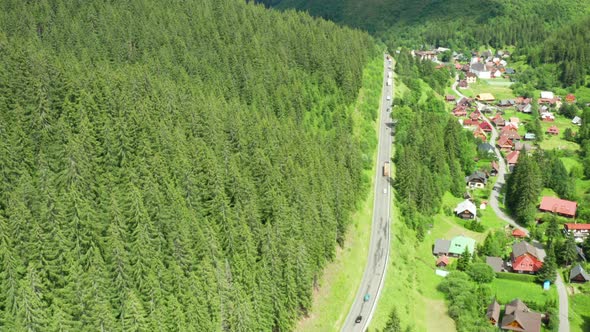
[[358, 319]]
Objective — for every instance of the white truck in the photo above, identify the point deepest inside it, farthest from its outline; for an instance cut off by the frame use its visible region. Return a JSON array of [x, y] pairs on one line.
[[389, 82]]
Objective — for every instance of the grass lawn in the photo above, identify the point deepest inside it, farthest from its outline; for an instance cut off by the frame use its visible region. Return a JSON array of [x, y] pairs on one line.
[[340, 279], [507, 290], [580, 310], [500, 88]]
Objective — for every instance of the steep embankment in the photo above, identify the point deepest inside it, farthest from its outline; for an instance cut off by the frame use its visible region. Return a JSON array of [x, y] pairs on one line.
[[173, 165]]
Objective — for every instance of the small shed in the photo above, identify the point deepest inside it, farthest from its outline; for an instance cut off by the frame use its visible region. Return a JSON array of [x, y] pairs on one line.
[[577, 274], [442, 261]]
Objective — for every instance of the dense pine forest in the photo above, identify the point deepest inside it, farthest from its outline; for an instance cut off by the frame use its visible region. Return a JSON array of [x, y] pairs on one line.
[[173, 165], [433, 152], [554, 32]]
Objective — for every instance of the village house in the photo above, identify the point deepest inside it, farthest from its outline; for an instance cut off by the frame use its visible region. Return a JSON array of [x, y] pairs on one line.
[[553, 130], [455, 247], [570, 98], [485, 149], [526, 258], [524, 108], [577, 120], [470, 78], [467, 102], [558, 206], [495, 168], [485, 97], [480, 70], [442, 261], [547, 117], [470, 123], [493, 313], [518, 317], [475, 115], [463, 84], [496, 263], [577, 274], [579, 231], [485, 126], [476, 180], [499, 121], [450, 98], [512, 159], [479, 133], [518, 233], [460, 111], [505, 144], [506, 103], [425, 55], [466, 210], [529, 137]]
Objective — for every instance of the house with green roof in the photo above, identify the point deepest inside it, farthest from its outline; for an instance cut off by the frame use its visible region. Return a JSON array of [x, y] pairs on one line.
[[459, 243]]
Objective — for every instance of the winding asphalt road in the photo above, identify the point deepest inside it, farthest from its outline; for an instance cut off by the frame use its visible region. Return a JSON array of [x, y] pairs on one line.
[[564, 323], [379, 247]]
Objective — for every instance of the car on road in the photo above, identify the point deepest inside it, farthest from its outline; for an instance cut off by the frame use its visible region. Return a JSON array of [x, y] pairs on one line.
[[385, 190], [367, 297], [388, 97], [358, 319]]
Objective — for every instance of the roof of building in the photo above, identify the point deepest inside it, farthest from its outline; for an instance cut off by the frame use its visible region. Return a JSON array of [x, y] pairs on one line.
[[553, 129], [496, 263], [477, 175], [557, 205], [466, 205], [578, 227], [441, 246], [478, 66], [512, 157], [493, 311], [577, 120], [577, 270], [459, 243], [444, 259], [485, 126], [504, 141], [530, 136], [495, 165], [547, 95], [485, 96], [523, 247], [517, 232], [485, 147], [518, 317]]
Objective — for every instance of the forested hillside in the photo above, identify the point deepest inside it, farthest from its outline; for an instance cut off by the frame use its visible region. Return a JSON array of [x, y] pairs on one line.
[[172, 165], [554, 32]]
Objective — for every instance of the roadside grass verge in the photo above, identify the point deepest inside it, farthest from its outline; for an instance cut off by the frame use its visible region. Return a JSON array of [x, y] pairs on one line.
[[340, 279]]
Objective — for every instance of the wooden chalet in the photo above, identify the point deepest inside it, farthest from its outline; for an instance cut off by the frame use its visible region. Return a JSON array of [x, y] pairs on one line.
[[553, 130]]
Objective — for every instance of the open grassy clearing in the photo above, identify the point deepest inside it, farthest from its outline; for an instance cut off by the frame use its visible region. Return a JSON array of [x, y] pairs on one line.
[[339, 282], [507, 290], [500, 89]]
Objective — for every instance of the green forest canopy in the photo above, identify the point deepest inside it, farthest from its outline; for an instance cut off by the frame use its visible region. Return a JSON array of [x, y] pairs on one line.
[[172, 165]]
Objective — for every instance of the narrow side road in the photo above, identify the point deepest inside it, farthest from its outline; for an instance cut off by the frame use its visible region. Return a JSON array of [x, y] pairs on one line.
[[564, 323], [362, 309]]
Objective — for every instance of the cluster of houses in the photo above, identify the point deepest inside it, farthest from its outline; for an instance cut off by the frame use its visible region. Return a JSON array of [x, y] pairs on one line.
[[516, 317]]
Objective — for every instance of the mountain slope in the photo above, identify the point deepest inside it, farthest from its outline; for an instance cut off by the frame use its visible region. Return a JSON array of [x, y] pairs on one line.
[[448, 23], [172, 165]]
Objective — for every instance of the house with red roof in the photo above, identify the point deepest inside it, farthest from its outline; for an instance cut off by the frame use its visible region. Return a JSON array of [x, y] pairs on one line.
[[510, 133], [460, 111], [469, 122], [479, 133], [553, 130], [526, 258], [558, 206], [450, 98], [442, 261], [579, 231], [518, 233], [494, 168], [475, 115], [499, 121], [485, 126], [505, 144], [570, 98], [512, 158]]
